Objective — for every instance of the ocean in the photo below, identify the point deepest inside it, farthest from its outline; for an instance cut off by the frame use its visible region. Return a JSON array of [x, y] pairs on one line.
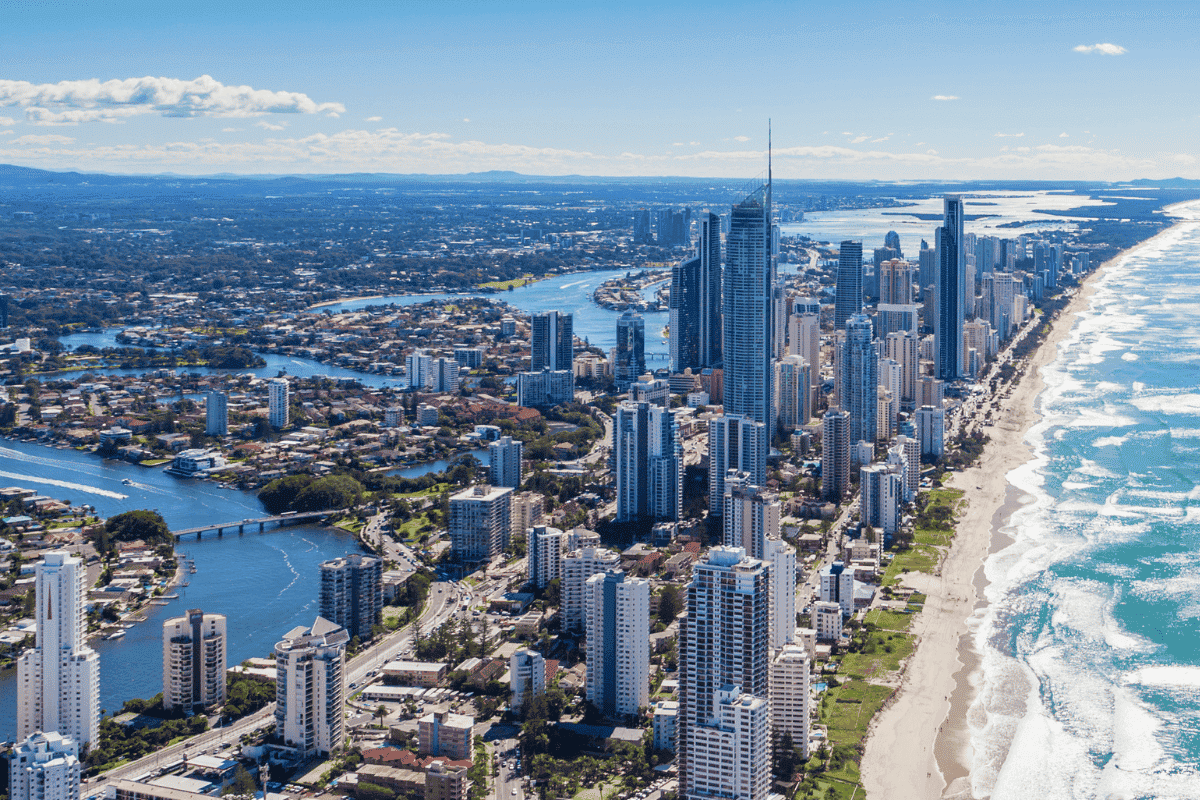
[[1090, 678]]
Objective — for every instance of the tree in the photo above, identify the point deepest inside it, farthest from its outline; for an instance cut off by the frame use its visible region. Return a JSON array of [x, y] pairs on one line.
[[381, 712], [243, 783], [332, 491], [279, 495], [669, 603], [147, 526], [785, 761]]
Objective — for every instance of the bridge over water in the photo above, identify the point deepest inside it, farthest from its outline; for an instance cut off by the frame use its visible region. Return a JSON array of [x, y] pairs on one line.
[[262, 522]]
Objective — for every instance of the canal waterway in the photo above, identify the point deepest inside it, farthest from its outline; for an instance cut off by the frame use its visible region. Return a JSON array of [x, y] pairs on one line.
[[266, 584]]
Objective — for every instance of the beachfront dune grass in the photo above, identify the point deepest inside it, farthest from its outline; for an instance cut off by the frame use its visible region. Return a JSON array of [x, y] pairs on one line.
[[886, 620], [846, 712], [932, 531], [879, 653]]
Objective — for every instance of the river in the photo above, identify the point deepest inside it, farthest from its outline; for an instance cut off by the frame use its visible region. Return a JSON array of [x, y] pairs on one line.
[[273, 573]]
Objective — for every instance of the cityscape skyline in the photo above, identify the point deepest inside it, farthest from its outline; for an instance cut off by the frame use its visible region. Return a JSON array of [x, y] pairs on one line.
[[459, 91]]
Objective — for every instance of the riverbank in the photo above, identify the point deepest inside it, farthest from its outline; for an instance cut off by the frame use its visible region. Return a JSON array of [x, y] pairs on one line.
[[920, 746]]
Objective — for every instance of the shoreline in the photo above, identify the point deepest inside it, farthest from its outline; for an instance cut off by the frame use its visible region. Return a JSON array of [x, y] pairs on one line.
[[919, 745]]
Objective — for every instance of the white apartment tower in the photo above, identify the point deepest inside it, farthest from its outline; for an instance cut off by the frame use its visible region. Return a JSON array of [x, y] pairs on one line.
[[790, 694], [544, 548], [58, 679], [480, 520], [730, 758], [618, 643], [278, 403], [793, 401], [216, 414], [782, 558], [751, 515], [352, 593], [526, 676], [310, 687], [194, 661], [504, 462], [724, 654], [45, 766], [577, 567], [735, 442], [649, 462]]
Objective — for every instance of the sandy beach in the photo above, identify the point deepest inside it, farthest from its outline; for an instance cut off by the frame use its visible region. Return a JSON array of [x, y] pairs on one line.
[[918, 748]]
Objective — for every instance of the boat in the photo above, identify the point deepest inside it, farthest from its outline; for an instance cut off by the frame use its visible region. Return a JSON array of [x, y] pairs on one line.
[[116, 635], [127, 482]]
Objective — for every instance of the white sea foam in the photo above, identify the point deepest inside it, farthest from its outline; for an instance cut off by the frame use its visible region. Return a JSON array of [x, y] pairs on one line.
[[1110, 441]]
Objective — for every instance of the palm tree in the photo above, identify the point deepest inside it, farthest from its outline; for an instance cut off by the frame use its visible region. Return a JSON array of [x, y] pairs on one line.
[[381, 712]]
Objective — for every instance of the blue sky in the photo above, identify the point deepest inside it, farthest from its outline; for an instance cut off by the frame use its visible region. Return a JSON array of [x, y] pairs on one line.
[[893, 91]]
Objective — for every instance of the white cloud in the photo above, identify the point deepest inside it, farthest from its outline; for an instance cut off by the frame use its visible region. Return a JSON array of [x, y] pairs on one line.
[[50, 138], [741, 138], [676, 144], [859, 139], [881, 139], [1103, 48], [1064, 135], [232, 130], [694, 144], [465, 119], [374, 119], [72, 102], [1010, 135], [7, 121], [270, 126], [946, 97]]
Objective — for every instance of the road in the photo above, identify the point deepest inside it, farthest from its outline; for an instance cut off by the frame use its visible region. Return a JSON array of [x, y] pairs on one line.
[[445, 599]]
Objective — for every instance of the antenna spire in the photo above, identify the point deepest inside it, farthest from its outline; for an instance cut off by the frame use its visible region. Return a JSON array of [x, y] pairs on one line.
[[768, 164]]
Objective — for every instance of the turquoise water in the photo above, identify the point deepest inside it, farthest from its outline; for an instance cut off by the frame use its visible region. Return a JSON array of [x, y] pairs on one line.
[[1090, 683]]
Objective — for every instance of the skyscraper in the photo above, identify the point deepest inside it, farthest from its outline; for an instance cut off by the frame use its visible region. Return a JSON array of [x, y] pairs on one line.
[[835, 454], [951, 291], [793, 388], [881, 494], [577, 567], [418, 368], [751, 515], [648, 454], [618, 643], [782, 557], [709, 281], [544, 548], [804, 340], [480, 520], [724, 652], [749, 324], [310, 687], [504, 462], [684, 312], [352, 593], [278, 403], [641, 227], [790, 697], [849, 300], [859, 379], [738, 443], [629, 356], [553, 345], [58, 679], [527, 676], [194, 661], [892, 240], [216, 414]]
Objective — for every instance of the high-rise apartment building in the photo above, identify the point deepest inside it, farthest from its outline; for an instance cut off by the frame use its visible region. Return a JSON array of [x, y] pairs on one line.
[[804, 340], [835, 455], [684, 315], [892, 240], [58, 679], [443, 375], [546, 388], [750, 516], [194, 661], [724, 653], [544, 547], [905, 349], [782, 557], [931, 430], [577, 567], [648, 455], [278, 403], [629, 356], [790, 695], [881, 495], [443, 733], [216, 414], [859, 379], [849, 299], [526, 676], [418, 368], [708, 250], [553, 342], [617, 610], [352, 593], [793, 387], [641, 227], [951, 291], [504, 462], [896, 282], [310, 687], [749, 313], [734, 442], [45, 766], [480, 519]]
